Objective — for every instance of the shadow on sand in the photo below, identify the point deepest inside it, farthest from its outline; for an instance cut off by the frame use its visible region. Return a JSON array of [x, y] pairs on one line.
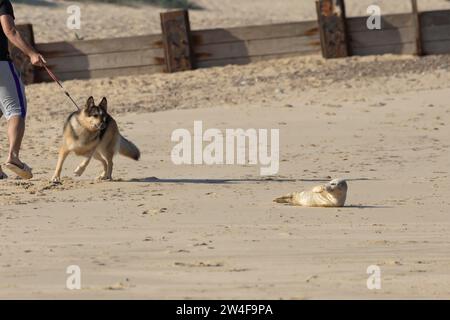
[[231, 181], [366, 207], [36, 3]]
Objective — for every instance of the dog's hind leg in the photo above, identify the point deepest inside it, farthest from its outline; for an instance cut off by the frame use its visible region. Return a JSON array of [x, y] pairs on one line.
[[108, 157], [63, 153], [109, 167]]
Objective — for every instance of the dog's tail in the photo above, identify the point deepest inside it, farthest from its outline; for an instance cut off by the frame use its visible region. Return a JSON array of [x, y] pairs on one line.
[[289, 198], [129, 149]]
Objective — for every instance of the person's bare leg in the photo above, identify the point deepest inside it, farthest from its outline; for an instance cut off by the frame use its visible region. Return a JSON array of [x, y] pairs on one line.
[[16, 130], [2, 174]]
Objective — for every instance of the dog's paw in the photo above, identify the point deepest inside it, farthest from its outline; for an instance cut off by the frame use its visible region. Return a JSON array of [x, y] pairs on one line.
[[103, 177], [56, 180], [79, 171]]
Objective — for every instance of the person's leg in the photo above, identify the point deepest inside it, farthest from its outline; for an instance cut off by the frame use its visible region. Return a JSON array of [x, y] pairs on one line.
[[16, 130], [2, 174], [13, 105], [3, 92]]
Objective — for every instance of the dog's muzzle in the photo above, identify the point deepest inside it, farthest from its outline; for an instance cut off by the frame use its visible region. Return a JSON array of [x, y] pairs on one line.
[[101, 126]]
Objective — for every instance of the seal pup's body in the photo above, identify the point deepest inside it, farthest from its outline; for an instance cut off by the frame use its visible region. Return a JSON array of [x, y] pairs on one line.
[[332, 194], [92, 132]]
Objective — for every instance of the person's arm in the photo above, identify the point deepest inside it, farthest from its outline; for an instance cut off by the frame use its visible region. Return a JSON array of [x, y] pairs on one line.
[[9, 28]]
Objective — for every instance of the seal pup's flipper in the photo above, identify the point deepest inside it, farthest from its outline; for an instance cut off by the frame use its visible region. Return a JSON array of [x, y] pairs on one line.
[[285, 199]]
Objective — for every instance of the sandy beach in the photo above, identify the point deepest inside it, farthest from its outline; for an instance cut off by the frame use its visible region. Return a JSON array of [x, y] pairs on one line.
[[161, 231]]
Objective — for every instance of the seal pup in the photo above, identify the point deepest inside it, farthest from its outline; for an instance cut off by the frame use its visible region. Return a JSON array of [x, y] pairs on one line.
[[332, 194]]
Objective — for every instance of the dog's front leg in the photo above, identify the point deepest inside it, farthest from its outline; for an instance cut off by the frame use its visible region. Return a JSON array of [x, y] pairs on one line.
[[80, 169], [63, 153]]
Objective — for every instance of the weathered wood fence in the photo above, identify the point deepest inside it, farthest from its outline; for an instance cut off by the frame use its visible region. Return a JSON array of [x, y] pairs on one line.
[[156, 53], [421, 33], [178, 48]]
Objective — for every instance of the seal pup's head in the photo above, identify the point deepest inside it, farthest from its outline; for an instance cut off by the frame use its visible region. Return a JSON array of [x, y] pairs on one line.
[[338, 188]]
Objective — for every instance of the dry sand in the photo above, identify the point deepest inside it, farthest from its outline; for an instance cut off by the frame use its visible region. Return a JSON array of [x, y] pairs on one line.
[[166, 231]]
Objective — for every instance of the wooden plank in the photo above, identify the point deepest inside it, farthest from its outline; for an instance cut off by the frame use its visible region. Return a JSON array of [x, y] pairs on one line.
[[250, 59], [417, 29], [394, 21], [402, 48], [85, 47], [176, 31], [42, 76], [256, 48], [20, 60], [436, 47], [435, 18], [107, 60], [436, 33], [332, 26], [383, 37], [281, 30]]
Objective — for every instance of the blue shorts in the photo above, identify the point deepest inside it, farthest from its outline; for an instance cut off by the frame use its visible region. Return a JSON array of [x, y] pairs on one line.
[[12, 93]]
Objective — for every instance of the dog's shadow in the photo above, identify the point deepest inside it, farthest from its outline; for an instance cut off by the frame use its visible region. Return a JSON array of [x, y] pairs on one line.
[[231, 181], [220, 181]]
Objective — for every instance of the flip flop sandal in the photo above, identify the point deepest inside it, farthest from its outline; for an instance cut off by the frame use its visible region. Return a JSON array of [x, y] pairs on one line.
[[24, 173], [3, 176]]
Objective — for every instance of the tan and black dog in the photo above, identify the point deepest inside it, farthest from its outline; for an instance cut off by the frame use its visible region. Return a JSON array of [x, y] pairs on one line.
[[92, 132]]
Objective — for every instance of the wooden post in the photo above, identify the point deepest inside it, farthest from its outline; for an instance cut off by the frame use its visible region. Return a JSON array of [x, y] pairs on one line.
[[177, 40], [332, 26], [417, 26], [21, 61]]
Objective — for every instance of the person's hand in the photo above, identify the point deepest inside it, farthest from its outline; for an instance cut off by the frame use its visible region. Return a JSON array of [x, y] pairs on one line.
[[37, 59]]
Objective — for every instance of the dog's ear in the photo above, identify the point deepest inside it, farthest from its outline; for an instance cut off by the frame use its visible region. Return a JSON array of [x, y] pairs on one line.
[[104, 104], [90, 103]]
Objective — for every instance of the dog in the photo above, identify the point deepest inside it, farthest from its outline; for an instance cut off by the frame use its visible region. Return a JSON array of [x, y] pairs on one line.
[[332, 194], [92, 133]]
